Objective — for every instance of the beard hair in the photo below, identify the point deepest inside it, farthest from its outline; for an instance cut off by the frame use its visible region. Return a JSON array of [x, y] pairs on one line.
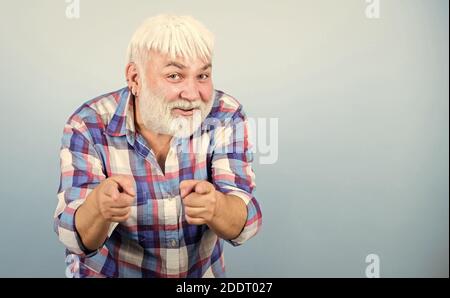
[[156, 113]]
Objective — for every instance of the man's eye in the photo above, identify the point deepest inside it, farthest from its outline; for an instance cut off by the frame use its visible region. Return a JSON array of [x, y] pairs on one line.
[[203, 76], [174, 77]]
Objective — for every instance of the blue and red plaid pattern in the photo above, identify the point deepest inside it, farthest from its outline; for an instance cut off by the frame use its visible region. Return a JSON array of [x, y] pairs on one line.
[[100, 140]]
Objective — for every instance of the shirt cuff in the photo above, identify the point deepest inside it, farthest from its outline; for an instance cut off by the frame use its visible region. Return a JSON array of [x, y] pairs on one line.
[[253, 221]]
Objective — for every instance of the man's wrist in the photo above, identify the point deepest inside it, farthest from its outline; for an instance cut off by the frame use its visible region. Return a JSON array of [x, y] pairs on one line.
[[221, 201], [92, 209]]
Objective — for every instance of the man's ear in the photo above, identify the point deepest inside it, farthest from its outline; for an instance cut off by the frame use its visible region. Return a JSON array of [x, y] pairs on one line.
[[133, 78]]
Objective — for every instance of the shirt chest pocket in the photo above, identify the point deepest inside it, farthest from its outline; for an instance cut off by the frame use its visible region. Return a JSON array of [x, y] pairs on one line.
[[198, 168], [153, 218], [144, 213], [143, 204]]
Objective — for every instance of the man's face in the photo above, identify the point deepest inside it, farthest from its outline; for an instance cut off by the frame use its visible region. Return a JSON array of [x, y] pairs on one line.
[[176, 94]]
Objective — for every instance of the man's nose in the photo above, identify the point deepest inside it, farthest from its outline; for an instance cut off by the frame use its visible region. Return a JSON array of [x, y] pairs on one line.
[[190, 91]]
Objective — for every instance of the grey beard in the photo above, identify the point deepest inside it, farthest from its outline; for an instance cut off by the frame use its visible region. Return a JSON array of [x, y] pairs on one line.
[[156, 114]]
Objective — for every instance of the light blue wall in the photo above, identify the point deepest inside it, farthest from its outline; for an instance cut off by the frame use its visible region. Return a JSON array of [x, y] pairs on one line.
[[363, 125]]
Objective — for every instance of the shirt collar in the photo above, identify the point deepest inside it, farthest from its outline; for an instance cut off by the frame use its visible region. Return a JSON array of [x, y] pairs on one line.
[[122, 122]]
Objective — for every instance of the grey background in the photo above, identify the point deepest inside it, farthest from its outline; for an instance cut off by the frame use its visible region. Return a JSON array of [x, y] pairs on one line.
[[363, 126]]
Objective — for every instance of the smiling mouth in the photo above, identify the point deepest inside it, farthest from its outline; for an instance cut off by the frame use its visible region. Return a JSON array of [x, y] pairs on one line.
[[184, 112]]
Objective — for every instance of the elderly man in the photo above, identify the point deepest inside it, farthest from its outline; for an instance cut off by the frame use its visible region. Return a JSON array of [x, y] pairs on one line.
[[155, 176]]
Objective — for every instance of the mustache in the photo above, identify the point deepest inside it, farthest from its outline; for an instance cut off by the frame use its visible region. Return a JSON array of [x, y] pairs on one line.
[[185, 104]]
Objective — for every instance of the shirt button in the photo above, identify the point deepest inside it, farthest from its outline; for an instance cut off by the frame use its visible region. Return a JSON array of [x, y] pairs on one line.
[[173, 243]]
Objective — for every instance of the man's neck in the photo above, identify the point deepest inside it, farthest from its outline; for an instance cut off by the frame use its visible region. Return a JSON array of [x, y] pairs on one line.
[[154, 139], [157, 141]]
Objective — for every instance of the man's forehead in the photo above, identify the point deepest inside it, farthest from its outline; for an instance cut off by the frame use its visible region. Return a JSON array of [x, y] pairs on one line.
[[167, 60]]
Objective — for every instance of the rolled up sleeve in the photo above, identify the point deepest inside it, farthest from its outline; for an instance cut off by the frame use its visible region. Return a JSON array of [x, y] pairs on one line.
[[232, 171], [81, 172]]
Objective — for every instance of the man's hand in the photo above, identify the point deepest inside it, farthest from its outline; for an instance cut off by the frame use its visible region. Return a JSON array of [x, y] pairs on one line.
[[109, 202], [203, 204], [114, 197], [201, 201]]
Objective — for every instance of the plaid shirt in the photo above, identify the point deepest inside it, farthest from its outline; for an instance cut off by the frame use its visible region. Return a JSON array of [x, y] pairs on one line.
[[100, 140]]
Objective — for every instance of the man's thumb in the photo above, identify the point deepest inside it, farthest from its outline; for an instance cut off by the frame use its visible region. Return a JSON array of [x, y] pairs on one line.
[[203, 187], [126, 184], [186, 187]]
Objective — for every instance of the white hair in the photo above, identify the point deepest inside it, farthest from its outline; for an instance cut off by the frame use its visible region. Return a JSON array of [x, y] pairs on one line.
[[170, 34]]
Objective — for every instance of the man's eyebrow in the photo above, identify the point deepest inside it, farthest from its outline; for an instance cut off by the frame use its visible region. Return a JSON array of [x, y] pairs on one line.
[[181, 66], [176, 64], [207, 66]]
